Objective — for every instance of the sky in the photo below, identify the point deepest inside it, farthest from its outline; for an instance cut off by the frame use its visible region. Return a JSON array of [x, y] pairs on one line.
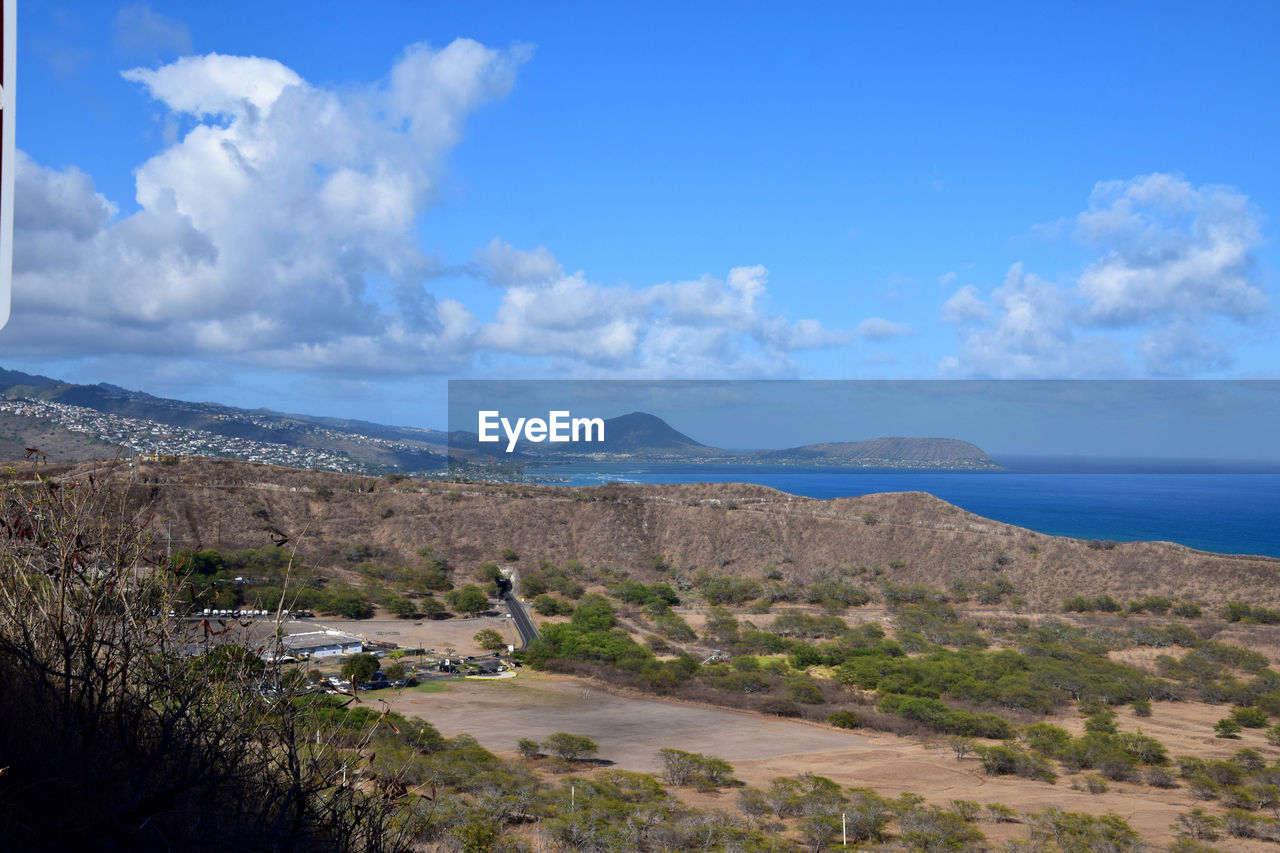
[[306, 208]]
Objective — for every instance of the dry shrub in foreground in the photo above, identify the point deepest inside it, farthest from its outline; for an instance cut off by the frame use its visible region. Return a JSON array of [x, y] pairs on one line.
[[122, 729]]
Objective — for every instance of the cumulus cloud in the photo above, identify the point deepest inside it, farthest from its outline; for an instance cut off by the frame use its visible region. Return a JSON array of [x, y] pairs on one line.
[[139, 30], [965, 306], [279, 232], [674, 328], [1174, 270], [879, 329], [1174, 251], [504, 265], [278, 229]]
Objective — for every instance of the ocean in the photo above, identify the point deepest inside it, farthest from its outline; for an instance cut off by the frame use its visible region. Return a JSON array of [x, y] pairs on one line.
[[1228, 513]]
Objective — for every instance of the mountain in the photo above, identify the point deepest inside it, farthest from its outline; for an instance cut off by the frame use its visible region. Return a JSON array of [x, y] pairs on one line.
[[69, 421], [943, 453], [734, 529], [639, 434], [91, 421]]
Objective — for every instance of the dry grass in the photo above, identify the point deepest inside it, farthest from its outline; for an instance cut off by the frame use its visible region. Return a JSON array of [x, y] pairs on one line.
[[919, 539]]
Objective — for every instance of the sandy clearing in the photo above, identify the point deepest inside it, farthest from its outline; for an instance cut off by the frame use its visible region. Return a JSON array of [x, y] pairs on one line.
[[630, 730], [424, 634]]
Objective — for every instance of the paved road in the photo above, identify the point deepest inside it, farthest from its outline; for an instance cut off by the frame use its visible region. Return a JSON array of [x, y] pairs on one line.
[[524, 624]]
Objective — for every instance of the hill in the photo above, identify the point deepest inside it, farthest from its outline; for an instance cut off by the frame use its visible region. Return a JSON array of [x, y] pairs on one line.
[[75, 422], [639, 433], [728, 529], [943, 453]]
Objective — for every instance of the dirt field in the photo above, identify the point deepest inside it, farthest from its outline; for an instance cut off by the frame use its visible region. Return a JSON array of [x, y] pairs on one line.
[[630, 730], [438, 635]]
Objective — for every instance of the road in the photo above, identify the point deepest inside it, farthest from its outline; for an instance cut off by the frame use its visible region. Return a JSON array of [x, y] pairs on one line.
[[524, 623]]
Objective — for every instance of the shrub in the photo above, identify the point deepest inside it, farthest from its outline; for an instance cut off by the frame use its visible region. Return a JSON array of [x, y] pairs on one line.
[[1199, 824], [1187, 610], [845, 720], [548, 605], [1250, 718], [1227, 728], [805, 690], [780, 707], [1072, 831], [1095, 784], [961, 746], [570, 747], [682, 768]]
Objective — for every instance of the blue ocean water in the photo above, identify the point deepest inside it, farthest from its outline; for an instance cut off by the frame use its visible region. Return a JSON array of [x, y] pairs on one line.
[[1227, 513]]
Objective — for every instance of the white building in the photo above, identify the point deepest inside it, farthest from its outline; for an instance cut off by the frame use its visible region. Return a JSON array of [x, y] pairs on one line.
[[322, 644]]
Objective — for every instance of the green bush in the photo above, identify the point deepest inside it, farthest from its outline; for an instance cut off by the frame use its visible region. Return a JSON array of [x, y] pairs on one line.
[[845, 720], [1250, 718], [1227, 728]]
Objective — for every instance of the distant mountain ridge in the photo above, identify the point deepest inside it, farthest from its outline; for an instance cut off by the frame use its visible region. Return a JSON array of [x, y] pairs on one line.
[[895, 452], [640, 432], [141, 422]]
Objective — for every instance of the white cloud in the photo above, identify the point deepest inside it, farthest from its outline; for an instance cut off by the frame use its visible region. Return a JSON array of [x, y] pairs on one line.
[[504, 265], [1175, 269], [672, 329], [878, 329], [280, 232], [1173, 251], [137, 29], [1179, 349], [1027, 332], [965, 306]]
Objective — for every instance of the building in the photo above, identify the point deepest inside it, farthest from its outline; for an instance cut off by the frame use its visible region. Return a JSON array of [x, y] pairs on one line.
[[321, 644]]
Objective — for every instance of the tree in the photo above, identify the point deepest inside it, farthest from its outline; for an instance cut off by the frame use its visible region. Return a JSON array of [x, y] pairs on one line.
[[394, 671], [400, 606], [431, 607], [571, 747], [490, 640], [1227, 728], [961, 746], [470, 599], [548, 605], [105, 706], [682, 768], [360, 668], [593, 613], [528, 747], [347, 602]]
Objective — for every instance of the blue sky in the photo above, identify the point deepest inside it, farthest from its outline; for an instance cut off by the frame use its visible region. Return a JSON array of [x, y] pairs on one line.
[[294, 206]]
